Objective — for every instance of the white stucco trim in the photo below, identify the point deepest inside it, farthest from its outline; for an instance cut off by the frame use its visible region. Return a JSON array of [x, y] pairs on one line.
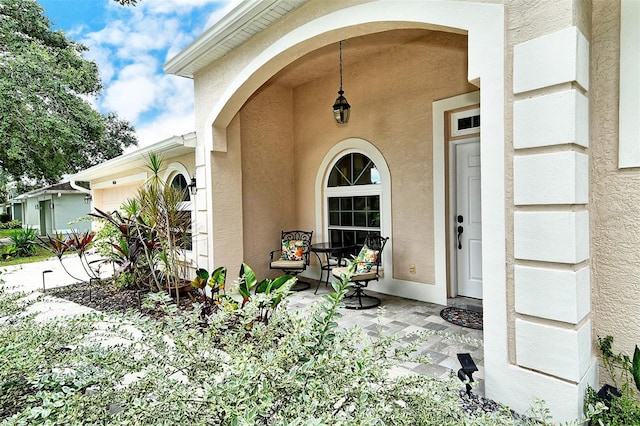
[[172, 170], [337, 151], [629, 125], [439, 187]]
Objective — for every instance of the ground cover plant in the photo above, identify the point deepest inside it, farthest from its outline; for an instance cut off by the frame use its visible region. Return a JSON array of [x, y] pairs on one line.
[[298, 368], [622, 397], [6, 227], [22, 247]]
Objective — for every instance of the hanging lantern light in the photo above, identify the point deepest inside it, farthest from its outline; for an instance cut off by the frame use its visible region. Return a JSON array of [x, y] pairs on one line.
[[341, 107]]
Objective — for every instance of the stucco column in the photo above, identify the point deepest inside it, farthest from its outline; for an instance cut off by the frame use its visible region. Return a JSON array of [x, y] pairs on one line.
[[551, 218]]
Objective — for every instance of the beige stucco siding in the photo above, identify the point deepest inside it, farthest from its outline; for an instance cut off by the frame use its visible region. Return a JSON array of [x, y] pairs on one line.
[[110, 199], [391, 96], [285, 136], [269, 174], [227, 208], [615, 194]]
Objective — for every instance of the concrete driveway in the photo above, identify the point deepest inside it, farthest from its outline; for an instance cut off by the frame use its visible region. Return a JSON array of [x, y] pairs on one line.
[[31, 278]]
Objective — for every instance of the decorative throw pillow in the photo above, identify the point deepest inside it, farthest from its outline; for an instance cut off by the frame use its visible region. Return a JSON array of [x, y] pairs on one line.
[[366, 260], [292, 250]]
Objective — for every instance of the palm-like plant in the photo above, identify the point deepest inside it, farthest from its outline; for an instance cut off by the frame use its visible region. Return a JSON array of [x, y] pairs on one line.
[[152, 226]]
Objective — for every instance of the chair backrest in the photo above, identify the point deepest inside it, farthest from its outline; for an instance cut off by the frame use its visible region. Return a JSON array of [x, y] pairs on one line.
[[304, 236], [376, 242]]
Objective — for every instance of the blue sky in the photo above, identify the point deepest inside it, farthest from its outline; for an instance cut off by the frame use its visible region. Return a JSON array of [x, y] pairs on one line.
[[130, 46]]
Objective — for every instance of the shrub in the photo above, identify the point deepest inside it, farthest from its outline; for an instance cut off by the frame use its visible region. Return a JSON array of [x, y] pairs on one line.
[[297, 369], [12, 224], [5, 217], [24, 240], [623, 405], [7, 251]]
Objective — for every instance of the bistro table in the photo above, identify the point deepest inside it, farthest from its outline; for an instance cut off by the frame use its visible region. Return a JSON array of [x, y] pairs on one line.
[[333, 255]]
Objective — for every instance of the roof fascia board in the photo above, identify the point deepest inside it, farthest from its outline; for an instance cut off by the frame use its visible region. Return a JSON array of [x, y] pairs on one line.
[[225, 29], [103, 169]]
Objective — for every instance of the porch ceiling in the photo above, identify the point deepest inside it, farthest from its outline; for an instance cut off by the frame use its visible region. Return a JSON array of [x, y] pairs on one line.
[[325, 60]]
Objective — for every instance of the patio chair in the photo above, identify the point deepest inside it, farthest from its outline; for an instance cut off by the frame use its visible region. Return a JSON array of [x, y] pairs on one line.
[[293, 256], [367, 268]]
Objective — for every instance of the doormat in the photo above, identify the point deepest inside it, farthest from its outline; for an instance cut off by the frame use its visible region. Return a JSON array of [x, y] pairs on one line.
[[462, 317]]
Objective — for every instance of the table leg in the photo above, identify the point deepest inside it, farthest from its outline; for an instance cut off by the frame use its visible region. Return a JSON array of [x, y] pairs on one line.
[[321, 272]]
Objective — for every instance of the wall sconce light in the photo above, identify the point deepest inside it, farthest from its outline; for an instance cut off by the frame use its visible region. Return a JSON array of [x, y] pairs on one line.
[[192, 186], [341, 108], [87, 199], [51, 205], [38, 206]]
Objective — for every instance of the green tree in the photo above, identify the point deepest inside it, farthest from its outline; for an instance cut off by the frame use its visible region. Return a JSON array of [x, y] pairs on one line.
[[47, 125]]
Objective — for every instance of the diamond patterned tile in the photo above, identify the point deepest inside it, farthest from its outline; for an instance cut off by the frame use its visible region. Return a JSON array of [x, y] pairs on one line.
[[402, 316]]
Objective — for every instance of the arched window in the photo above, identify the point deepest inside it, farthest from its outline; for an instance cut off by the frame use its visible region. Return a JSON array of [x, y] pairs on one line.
[[353, 192], [185, 232], [180, 183]]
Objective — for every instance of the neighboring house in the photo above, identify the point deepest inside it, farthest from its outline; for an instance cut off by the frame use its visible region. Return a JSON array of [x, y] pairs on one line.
[[550, 220], [53, 209], [115, 181]]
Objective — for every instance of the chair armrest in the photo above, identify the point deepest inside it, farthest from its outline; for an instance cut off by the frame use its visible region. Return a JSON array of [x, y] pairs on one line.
[[272, 252]]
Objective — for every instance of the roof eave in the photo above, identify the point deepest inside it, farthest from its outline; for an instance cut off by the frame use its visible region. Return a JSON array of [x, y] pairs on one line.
[[167, 146], [228, 31]]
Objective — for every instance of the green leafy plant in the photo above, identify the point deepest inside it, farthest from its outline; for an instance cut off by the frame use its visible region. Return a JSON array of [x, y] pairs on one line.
[[7, 251], [215, 282], [620, 367], [152, 229], [273, 290], [24, 240], [76, 242], [621, 400], [300, 368], [12, 224]]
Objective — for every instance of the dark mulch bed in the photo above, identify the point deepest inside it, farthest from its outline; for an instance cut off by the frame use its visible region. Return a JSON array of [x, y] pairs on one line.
[[106, 298]]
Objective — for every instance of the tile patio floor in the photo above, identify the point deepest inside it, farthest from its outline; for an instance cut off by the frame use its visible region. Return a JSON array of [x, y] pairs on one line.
[[404, 316]]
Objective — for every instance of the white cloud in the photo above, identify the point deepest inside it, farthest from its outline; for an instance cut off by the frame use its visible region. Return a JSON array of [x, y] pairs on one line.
[[133, 92], [228, 6], [176, 6], [166, 126], [130, 51]]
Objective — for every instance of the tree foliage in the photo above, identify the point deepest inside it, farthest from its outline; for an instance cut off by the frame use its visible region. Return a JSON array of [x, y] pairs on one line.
[[48, 127]]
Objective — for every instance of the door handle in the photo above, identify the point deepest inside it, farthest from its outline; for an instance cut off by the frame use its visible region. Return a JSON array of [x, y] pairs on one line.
[[460, 231]]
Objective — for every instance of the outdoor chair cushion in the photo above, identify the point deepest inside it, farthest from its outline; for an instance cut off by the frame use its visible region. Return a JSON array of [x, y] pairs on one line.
[[287, 264], [366, 260], [292, 250], [338, 272]]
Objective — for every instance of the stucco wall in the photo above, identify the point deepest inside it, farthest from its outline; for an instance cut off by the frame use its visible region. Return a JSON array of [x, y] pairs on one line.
[[69, 208], [391, 98], [227, 209], [269, 174], [615, 194], [110, 199]]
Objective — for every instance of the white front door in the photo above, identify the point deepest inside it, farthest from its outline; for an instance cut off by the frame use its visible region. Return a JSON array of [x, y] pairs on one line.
[[468, 219]]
